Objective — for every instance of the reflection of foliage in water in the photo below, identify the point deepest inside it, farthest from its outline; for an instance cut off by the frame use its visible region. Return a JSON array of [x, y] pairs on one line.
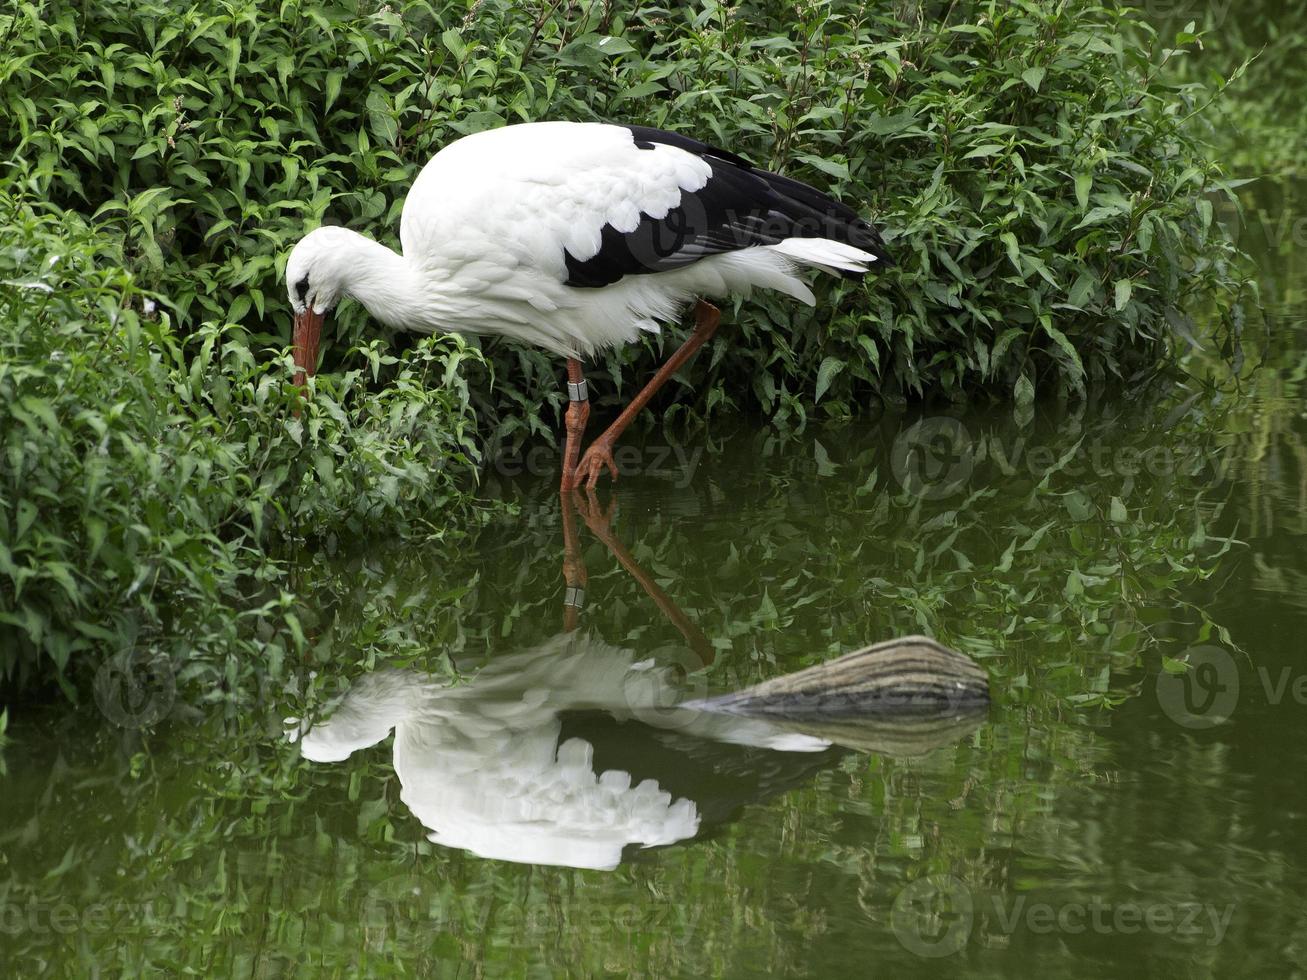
[[1067, 536], [1258, 127], [209, 838], [1264, 447]]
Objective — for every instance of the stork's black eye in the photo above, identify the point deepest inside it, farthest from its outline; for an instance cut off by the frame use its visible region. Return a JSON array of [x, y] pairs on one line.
[[302, 288]]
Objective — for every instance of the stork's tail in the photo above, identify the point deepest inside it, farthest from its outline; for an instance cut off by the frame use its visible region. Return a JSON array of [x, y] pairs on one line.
[[832, 235], [828, 254]]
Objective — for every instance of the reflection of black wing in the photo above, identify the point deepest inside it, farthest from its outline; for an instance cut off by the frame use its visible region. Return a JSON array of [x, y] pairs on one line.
[[719, 777], [739, 207]]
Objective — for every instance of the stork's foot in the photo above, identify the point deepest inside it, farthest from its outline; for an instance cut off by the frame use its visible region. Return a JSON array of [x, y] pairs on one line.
[[598, 519], [596, 458], [578, 412]]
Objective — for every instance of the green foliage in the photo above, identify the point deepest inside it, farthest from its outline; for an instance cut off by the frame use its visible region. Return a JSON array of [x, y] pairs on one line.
[[146, 482], [1038, 177]]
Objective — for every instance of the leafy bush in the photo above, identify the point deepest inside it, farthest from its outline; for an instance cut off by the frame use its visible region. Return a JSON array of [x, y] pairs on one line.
[[146, 483], [1038, 177]]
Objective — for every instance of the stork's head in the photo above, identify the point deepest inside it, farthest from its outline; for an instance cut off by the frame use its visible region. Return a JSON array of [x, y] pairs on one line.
[[316, 276]]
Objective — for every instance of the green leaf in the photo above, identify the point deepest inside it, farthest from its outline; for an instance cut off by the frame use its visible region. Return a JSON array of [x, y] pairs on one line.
[[1084, 287], [1075, 585], [1084, 183], [1078, 506], [381, 118], [1005, 561], [830, 367], [334, 78], [1023, 391], [835, 168], [1013, 249], [453, 41], [1122, 289], [1034, 77], [640, 91], [878, 125], [1001, 345], [1117, 513], [233, 59], [873, 352], [1101, 214], [1059, 338]]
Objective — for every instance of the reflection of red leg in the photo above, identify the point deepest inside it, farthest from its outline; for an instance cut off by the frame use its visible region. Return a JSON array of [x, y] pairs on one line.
[[574, 573], [578, 413], [600, 524], [600, 453]]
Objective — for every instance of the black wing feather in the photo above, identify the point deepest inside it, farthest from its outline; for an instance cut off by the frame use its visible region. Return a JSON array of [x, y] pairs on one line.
[[739, 207]]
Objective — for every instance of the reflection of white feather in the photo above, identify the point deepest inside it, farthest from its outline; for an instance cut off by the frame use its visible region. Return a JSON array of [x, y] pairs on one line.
[[481, 767], [375, 704], [535, 801]]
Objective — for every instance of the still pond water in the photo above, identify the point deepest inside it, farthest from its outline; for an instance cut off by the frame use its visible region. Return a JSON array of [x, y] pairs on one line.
[[1111, 814]]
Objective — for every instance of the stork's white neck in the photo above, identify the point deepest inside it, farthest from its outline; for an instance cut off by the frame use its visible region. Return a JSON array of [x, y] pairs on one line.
[[386, 283]]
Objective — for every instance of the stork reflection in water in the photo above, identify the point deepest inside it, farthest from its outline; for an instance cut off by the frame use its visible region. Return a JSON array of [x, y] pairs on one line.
[[574, 750]]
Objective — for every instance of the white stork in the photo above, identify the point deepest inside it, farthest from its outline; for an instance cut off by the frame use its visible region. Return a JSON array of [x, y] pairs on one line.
[[576, 237]]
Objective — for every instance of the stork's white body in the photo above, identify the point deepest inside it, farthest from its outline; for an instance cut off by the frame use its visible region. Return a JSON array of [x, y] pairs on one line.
[[497, 223]]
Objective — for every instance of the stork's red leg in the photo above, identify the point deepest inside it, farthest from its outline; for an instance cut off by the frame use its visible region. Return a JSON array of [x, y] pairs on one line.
[[574, 573], [578, 413], [600, 454], [600, 524]]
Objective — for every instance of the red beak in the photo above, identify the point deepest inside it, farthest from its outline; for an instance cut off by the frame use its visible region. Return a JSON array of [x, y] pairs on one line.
[[304, 341]]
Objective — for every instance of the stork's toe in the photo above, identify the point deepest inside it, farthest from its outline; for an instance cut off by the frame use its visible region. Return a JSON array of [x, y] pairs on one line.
[[593, 463]]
